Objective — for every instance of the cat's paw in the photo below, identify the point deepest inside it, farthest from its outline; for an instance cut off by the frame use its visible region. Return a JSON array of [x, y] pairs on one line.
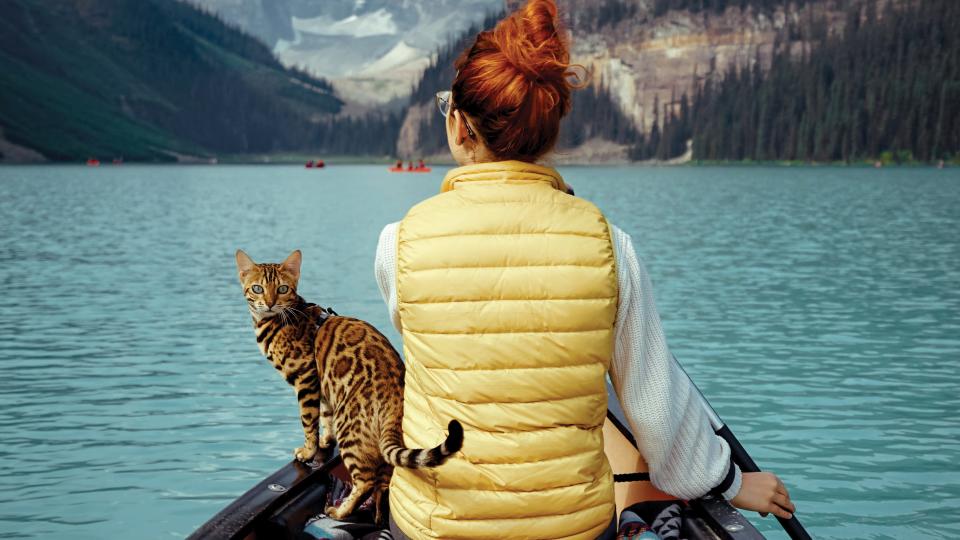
[[305, 454], [327, 441]]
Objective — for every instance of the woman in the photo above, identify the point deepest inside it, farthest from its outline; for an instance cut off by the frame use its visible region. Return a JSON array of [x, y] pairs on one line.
[[515, 299]]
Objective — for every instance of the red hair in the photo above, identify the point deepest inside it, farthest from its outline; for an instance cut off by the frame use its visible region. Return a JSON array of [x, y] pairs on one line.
[[513, 82]]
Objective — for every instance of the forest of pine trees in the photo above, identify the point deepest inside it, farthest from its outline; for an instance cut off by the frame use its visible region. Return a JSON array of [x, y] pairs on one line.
[[887, 88]]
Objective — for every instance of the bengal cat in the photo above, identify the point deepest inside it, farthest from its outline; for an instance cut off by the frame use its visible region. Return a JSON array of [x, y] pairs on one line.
[[347, 375]]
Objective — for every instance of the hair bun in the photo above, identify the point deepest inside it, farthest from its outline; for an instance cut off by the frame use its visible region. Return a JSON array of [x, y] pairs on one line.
[[532, 41]]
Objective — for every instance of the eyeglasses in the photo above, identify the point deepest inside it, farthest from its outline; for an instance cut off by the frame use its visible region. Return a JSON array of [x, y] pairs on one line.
[[443, 103]]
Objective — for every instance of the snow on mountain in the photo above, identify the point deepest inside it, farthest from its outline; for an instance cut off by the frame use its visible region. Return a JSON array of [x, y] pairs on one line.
[[373, 51], [400, 57], [379, 22]]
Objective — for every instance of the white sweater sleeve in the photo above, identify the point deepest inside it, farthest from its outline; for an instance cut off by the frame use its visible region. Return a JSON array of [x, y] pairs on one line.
[[385, 269], [686, 458]]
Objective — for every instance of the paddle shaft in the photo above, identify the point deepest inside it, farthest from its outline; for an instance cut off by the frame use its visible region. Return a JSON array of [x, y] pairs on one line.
[[740, 456]]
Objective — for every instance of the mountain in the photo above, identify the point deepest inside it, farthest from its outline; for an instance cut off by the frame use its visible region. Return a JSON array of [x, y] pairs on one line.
[[373, 51], [146, 80]]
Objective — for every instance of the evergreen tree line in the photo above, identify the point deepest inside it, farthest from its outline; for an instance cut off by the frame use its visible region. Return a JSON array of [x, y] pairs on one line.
[[373, 134], [888, 86], [670, 141], [595, 116]]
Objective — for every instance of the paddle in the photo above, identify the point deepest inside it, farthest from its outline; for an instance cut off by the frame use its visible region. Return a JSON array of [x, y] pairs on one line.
[[740, 456]]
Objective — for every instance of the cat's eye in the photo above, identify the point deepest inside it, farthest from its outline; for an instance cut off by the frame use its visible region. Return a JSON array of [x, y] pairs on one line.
[[283, 289], [257, 289]]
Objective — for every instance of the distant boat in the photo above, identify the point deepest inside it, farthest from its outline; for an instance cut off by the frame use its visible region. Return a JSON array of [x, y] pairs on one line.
[[403, 169], [318, 164], [93, 162]]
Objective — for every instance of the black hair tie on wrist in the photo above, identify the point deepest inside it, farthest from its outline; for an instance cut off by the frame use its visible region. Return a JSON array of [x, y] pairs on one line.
[[727, 481]]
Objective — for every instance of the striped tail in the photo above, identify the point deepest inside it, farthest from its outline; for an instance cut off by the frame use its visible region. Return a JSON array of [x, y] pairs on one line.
[[398, 455]]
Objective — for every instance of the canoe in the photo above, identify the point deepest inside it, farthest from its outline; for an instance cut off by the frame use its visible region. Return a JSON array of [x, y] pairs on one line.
[[415, 170], [279, 506]]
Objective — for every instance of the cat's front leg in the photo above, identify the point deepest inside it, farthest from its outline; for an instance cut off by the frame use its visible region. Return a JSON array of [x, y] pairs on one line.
[[308, 396], [328, 439]]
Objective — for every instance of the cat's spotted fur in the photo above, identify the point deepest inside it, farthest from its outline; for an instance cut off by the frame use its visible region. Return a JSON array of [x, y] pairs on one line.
[[347, 376]]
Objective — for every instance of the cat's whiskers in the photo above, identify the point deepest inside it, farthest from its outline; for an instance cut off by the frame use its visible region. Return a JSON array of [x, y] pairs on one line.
[[295, 311], [288, 313]]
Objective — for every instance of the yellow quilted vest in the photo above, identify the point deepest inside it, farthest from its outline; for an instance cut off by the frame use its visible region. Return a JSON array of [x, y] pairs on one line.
[[508, 295]]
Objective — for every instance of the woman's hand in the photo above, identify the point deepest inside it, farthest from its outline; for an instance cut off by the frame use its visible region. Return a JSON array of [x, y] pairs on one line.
[[763, 492]]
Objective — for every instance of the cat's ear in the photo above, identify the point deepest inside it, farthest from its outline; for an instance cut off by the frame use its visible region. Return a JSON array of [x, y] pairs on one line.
[[244, 263], [292, 264]]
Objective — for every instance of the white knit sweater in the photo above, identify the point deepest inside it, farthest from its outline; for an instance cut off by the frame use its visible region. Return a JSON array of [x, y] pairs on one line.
[[686, 458]]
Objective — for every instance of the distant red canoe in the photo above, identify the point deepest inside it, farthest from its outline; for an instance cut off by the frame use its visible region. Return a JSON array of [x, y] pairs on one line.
[[318, 164], [93, 162], [403, 169]]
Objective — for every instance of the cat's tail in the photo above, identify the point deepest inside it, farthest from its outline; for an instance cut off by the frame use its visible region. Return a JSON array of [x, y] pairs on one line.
[[398, 455]]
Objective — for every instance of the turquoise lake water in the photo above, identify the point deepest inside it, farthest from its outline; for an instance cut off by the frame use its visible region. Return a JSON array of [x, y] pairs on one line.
[[817, 308]]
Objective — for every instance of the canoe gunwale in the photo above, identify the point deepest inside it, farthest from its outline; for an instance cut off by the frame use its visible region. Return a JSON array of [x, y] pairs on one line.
[[241, 517]]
